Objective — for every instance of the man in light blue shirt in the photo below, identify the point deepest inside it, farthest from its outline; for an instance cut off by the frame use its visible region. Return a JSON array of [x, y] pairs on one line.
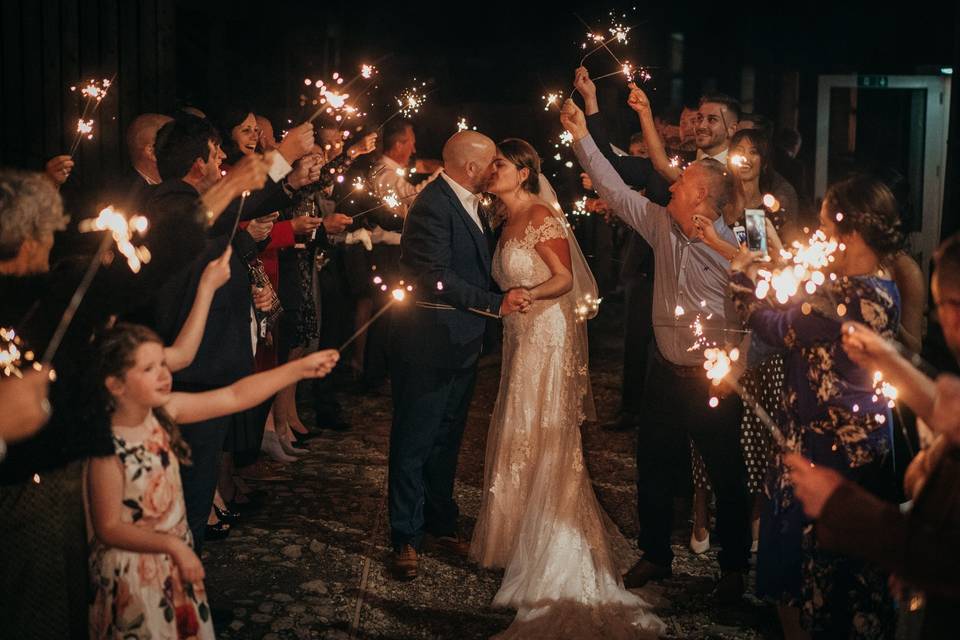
[[689, 283]]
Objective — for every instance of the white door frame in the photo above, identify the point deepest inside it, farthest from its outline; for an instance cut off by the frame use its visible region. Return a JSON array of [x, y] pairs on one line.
[[935, 146]]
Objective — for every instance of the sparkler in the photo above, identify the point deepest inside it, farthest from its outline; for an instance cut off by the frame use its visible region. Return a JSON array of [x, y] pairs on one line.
[[587, 307], [236, 221], [580, 207], [93, 94], [399, 294], [806, 267], [121, 231], [13, 355], [617, 31], [551, 100], [409, 102], [718, 363], [463, 126], [390, 199], [636, 75]]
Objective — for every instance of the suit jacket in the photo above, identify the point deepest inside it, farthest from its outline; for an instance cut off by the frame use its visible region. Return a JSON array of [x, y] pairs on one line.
[[181, 248], [922, 547], [448, 258]]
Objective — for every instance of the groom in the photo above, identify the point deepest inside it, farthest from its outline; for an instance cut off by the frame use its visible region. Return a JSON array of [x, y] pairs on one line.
[[436, 343]]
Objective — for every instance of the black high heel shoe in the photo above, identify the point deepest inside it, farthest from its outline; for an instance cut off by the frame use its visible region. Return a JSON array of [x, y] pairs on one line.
[[217, 531], [226, 515]]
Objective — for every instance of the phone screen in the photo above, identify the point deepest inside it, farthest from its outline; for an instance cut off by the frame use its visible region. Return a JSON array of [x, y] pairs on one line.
[[756, 230]]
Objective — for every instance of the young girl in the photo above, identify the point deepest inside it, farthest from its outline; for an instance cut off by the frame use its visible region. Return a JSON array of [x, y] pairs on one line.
[[147, 581]]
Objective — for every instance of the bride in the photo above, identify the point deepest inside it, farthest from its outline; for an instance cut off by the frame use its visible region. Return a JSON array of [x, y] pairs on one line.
[[539, 517]]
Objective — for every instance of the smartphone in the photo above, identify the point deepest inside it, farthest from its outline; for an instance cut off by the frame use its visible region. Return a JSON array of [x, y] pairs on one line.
[[756, 230]]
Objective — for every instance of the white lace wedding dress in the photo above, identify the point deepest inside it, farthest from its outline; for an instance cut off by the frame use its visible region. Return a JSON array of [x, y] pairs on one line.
[[539, 516]]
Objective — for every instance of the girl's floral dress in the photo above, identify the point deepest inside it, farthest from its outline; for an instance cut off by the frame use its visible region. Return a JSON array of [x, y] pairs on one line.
[[140, 595], [831, 414]]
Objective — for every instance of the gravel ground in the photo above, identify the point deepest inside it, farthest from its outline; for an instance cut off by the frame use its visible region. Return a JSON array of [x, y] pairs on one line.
[[312, 562]]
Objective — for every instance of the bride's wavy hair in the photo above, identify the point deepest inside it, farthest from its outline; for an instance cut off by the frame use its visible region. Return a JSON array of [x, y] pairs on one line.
[[522, 155]]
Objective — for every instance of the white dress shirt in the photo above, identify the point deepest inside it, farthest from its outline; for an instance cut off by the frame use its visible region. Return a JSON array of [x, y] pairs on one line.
[[470, 201], [720, 157]]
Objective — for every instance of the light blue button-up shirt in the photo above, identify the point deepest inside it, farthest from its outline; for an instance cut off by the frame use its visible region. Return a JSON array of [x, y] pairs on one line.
[[689, 275]]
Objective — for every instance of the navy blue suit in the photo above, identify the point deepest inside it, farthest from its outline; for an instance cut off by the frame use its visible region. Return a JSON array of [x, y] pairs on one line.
[[436, 343]]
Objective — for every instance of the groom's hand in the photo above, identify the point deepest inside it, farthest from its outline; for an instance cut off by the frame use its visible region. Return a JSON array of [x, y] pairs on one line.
[[515, 300]]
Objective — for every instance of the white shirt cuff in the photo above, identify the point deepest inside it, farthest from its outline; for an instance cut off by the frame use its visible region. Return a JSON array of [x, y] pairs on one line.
[[279, 168]]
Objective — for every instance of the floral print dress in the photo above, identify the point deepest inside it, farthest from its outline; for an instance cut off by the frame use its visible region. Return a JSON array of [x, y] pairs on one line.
[[140, 595], [833, 416]]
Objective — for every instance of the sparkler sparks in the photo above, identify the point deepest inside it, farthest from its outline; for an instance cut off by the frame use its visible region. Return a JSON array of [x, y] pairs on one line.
[[462, 125], [587, 308], [551, 100], [93, 94], [85, 128], [13, 355], [410, 101], [806, 264], [122, 231]]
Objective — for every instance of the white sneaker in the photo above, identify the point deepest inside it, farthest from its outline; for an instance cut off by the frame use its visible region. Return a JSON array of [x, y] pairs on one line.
[[699, 547]]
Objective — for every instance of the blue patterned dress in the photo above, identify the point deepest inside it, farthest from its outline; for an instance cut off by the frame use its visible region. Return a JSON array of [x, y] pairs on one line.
[[832, 415]]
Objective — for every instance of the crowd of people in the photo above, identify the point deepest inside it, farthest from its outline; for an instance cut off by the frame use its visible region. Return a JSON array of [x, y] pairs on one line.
[[121, 457]]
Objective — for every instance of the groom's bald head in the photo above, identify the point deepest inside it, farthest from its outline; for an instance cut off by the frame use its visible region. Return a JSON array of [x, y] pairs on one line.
[[468, 159]]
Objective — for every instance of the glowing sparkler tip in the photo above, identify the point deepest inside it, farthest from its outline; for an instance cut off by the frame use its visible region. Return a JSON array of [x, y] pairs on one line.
[[398, 294]]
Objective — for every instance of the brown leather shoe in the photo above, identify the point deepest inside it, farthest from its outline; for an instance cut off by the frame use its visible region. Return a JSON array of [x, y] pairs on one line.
[[643, 572], [456, 544], [405, 563]]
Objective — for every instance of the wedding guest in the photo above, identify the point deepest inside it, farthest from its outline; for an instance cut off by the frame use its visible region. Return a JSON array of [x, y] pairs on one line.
[[637, 270], [141, 147], [716, 121], [918, 547], [832, 414], [45, 594], [689, 276], [268, 139], [146, 576], [189, 157]]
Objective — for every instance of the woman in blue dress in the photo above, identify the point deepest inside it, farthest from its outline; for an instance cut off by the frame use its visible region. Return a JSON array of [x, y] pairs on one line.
[[831, 413]]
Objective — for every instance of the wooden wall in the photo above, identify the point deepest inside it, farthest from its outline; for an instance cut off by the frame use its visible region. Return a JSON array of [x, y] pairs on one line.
[[48, 45]]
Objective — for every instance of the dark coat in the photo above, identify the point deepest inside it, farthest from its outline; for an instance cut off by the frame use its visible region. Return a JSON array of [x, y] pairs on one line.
[[448, 259]]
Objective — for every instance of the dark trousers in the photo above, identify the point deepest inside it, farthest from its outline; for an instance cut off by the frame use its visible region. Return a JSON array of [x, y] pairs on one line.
[[200, 478], [429, 414], [675, 407], [638, 325]]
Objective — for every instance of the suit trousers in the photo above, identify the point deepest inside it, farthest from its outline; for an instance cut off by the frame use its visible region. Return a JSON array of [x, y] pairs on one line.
[[638, 325], [429, 415], [200, 478], [674, 408]]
